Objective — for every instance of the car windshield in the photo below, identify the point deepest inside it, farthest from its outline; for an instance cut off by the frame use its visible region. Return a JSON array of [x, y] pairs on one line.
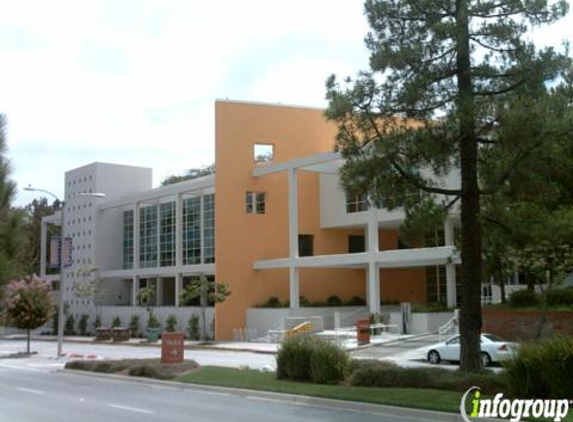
[[491, 337]]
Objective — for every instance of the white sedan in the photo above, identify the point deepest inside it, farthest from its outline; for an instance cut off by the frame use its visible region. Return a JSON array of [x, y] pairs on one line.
[[493, 349]]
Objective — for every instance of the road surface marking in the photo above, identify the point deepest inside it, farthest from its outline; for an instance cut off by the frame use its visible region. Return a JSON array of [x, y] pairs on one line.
[[24, 368], [131, 409], [29, 390]]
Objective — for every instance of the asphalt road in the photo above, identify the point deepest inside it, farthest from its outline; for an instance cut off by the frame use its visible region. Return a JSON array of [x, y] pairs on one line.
[[38, 394]]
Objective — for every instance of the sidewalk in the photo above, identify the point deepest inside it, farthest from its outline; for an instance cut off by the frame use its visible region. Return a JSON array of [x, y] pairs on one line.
[[235, 346]]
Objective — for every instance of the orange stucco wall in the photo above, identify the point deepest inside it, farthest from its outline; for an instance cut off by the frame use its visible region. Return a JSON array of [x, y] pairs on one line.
[[242, 238]]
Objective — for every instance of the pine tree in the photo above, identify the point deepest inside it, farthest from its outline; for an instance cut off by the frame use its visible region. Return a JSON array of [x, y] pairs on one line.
[[453, 84]]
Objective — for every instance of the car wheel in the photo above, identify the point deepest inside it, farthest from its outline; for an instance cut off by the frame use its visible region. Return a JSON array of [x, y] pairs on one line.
[[486, 359], [434, 357]]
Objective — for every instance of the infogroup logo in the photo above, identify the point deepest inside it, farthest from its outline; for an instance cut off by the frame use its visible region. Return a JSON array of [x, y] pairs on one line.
[[514, 410]]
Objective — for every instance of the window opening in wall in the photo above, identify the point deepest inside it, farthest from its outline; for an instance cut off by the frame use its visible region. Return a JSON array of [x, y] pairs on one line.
[[305, 245], [356, 203], [356, 243], [255, 202], [263, 153]]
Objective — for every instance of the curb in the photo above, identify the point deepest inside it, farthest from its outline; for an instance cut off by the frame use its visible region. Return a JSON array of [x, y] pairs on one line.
[[419, 415]]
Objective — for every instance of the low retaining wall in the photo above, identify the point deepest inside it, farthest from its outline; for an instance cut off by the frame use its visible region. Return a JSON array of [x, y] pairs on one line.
[[522, 325]]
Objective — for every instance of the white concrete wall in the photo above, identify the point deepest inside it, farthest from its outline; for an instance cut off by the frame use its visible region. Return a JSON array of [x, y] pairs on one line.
[[333, 204], [265, 319], [422, 322], [119, 180], [109, 239]]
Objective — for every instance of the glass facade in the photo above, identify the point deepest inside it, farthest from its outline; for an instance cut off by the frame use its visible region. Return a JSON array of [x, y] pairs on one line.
[[209, 228], [128, 239], [192, 231], [158, 233], [167, 234], [148, 236]]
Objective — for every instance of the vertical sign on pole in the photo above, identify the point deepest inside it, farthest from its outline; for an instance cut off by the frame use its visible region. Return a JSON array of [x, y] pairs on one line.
[[67, 251], [55, 252]]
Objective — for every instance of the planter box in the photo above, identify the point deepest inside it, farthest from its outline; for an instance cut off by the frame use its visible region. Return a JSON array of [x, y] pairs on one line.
[[152, 334], [120, 334], [103, 334]]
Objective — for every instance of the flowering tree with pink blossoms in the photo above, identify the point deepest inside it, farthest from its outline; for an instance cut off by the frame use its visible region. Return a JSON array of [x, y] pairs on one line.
[[28, 304]]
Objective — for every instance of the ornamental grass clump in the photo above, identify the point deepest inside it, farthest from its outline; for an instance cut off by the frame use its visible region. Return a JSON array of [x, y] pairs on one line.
[[307, 358]]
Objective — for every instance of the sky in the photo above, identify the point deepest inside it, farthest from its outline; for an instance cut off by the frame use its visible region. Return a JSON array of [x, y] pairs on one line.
[[135, 81]]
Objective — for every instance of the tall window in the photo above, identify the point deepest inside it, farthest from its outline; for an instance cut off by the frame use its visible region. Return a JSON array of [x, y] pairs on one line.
[[434, 238], [192, 231], [436, 291], [209, 228], [167, 234], [128, 239], [356, 203], [255, 202], [356, 243], [305, 245], [148, 236]]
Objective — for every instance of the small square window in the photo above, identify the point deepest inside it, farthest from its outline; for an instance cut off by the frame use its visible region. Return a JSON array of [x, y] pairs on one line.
[[263, 153], [356, 243], [255, 202]]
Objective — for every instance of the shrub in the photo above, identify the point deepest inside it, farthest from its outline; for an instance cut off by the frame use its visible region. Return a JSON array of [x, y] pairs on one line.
[[134, 325], [272, 302], [193, 327], [83, 324], [293, 358], [69, 328], [171, 323], [144, 371], [542, 369], [328, 362], [55, 316], [560, 297], [523, 299], [387, 374], [116, 322], [356, 301], [333, 301], [97, 322], [305, 358], [152, 321]]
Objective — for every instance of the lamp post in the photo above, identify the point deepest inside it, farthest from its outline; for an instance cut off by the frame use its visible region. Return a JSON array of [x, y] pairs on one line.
[[62, 238]]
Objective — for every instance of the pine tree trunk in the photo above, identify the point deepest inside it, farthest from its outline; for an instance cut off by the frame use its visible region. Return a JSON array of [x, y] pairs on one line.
[[28, 342], [470, 310]]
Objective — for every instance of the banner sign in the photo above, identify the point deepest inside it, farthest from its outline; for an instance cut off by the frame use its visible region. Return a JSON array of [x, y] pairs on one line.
[[67, 252], [54, 252]]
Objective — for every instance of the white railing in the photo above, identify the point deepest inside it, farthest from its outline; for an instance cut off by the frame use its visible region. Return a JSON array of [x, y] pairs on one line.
[[244, 334], [451, 327]]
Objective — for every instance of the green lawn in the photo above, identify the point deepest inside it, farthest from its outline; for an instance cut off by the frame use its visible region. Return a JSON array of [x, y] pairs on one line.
[[448, 401]]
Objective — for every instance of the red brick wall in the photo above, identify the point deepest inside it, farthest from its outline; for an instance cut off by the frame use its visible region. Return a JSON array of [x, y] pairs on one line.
[[522, 325]]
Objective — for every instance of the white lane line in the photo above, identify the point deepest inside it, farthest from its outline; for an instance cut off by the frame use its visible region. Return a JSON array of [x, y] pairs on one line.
[[29, 390], [23, 368], [131, 409]]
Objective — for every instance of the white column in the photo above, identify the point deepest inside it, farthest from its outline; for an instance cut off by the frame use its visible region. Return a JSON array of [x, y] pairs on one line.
[[43, 248], [134, 290], [372, 232], [178, 232], [373, 288], [178, 281], [450, 267], [159, 284], [202, 234], [293, 237], [373, 273], [136, 224]]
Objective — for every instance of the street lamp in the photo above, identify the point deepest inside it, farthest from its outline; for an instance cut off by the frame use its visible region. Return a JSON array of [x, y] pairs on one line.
[[61, 297]]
